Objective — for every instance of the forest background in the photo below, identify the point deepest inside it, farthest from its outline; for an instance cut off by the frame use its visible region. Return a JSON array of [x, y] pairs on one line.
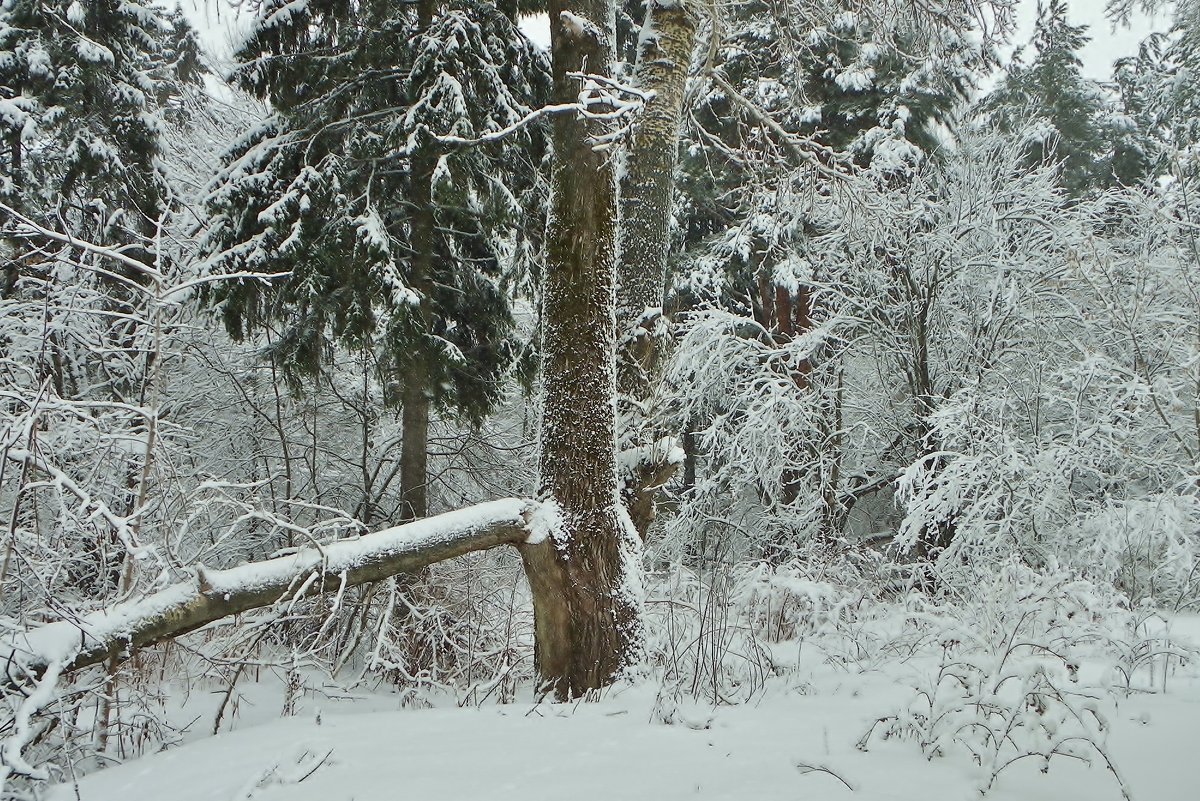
[[792, 318]]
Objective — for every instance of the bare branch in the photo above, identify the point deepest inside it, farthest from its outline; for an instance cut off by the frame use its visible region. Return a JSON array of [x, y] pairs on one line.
[[32, 227], [600, 98]]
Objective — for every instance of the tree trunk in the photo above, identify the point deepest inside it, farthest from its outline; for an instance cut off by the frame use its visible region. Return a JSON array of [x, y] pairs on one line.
[[414, 431], [647, 191], [113, 633], [414, 450], [648, 187], [586, 576], [8, 282]]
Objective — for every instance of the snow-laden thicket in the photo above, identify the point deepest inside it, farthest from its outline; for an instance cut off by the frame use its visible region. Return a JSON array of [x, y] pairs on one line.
[[1022, 361]]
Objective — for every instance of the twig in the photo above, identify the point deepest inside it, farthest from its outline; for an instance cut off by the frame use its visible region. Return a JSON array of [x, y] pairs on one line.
[[806, 768], [315, 767]]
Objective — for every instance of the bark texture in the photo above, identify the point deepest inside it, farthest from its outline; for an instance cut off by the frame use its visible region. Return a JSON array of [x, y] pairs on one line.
[[647, 196], [585, 578], [114, 633], [414, 450], [648, 187]]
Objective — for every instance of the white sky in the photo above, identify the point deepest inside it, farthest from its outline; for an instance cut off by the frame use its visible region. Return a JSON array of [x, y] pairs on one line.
[[217, 21], [1107, 45]]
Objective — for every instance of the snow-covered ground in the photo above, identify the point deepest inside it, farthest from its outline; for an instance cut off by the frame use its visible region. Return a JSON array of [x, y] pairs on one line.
[[795, 740]]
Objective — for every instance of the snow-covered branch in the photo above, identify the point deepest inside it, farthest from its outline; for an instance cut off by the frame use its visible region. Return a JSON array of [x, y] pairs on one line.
[[799, 156], [90, 505], [600, 98], [28, 227], [604, 99], [451, 141]]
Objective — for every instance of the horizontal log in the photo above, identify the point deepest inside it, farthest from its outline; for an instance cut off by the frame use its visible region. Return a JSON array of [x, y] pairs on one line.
[[210, 595]]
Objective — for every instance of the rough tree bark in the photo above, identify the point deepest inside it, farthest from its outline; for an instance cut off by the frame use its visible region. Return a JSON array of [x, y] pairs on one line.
[[414, 449], [586, 577], [648, 186], [647, 190]]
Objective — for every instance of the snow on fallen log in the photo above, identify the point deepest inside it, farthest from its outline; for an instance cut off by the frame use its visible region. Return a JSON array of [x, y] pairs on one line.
[[210, 595]]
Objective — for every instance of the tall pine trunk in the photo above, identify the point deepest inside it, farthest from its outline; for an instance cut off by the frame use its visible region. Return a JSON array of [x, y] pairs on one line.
[[414, 423], [414, 450], [586, 576]]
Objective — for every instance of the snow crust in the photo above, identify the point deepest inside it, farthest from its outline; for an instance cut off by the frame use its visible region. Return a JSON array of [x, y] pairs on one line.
[[75, 14], [664, 451], [788, 745], [545, 522]]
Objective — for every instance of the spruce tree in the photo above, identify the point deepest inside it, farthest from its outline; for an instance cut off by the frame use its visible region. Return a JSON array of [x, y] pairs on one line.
[[81, 91], [802, 93], [1060, 113], [836, 83], [1137, 146], [832, 76], [388, 231], [1162, 85], [1183, 95], [85, 89]]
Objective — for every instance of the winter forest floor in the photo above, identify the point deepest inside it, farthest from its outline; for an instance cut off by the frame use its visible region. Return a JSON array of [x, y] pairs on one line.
[[795, 738]]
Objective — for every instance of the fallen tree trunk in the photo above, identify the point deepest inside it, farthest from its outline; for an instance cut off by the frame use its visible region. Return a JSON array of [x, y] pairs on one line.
[[210, 595]]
